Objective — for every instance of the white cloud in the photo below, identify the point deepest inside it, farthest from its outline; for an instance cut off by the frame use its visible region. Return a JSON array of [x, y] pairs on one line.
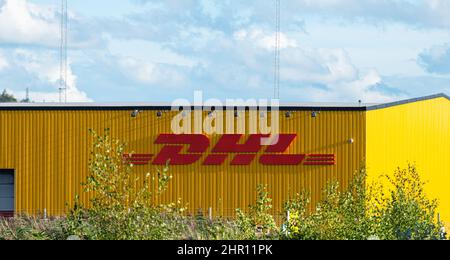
[[317, 65], [327, 74], [336, 80], [149, 73], [264, 40], [364, 88], [25, 23], [44, 66]]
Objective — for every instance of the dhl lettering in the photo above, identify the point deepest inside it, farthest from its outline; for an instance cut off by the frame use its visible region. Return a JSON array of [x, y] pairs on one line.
[[189, 149]]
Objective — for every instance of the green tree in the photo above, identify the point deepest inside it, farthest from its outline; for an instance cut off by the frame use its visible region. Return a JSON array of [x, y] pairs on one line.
[[5, 97], [341, 215], [401, 211], [258, 223], [123, 205], [406, 212]]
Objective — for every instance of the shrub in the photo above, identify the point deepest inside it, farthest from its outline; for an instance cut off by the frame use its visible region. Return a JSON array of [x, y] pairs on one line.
[[258, 223], [364, 212], [339, 216], [406, 213], [122, 207]]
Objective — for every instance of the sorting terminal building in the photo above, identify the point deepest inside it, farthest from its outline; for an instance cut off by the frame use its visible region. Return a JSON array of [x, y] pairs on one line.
[[45, 150]]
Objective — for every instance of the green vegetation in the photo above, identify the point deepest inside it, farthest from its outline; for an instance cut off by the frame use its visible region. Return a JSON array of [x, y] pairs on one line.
[[5, 97], [123, 206], [258, 223], [360, 212], [28, 228]]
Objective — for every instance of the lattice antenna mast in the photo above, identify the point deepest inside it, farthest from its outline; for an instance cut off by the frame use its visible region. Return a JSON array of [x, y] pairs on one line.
[[277, 49], [63, 53]]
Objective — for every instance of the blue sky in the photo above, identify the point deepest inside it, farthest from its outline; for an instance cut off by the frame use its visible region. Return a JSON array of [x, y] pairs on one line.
[[155, 50]]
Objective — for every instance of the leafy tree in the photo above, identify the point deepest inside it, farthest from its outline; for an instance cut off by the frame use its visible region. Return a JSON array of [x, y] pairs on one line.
[[368, 212], [5, 97], [258, 223], [341, 215], [406, 212], [122, 205]]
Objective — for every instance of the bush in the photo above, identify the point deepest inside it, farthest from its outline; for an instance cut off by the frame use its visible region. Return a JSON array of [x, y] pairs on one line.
[[406, 213], [122, 206], [339, 216], [258, 223], [362, 212]]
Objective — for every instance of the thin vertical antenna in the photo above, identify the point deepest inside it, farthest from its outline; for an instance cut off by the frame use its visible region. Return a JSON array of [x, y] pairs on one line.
[[61, 76], [63, 53], [277, 49], [66, 32]]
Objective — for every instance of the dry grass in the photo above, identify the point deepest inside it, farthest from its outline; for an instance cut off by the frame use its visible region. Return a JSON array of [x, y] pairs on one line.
[[29, 228]]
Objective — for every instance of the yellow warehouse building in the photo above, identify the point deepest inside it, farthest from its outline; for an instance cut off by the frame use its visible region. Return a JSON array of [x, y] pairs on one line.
[[45, 149]]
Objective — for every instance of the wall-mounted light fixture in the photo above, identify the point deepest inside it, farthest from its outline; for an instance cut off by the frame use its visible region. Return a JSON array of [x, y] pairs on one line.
[[159, 114], [315, 114], [288, 114], [135, 113], [351, 141]]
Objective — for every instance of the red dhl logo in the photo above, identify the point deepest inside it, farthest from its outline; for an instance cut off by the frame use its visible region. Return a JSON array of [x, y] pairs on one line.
[[243, 154]]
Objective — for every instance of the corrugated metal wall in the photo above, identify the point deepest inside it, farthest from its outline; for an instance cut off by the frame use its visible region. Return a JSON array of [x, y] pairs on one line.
[[49, 151], [417, 133]]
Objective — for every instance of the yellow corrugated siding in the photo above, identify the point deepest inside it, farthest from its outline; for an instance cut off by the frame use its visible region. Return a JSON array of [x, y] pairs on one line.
[[50, 149], [418, 133]]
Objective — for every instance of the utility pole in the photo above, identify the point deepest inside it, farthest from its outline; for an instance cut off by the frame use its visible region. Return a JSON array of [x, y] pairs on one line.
[[63, 53]]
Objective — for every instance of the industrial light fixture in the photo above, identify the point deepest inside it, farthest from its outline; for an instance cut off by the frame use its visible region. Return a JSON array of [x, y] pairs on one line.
[[159, 114], [351, 141], [288, 114], [314, 114], [211, 111], [135, 113]]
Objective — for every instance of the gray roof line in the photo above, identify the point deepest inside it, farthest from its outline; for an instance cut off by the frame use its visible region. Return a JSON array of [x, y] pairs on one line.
[[407, 101]]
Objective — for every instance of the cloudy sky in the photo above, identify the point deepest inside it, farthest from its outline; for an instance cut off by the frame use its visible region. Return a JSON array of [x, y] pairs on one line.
[[160, 50]]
